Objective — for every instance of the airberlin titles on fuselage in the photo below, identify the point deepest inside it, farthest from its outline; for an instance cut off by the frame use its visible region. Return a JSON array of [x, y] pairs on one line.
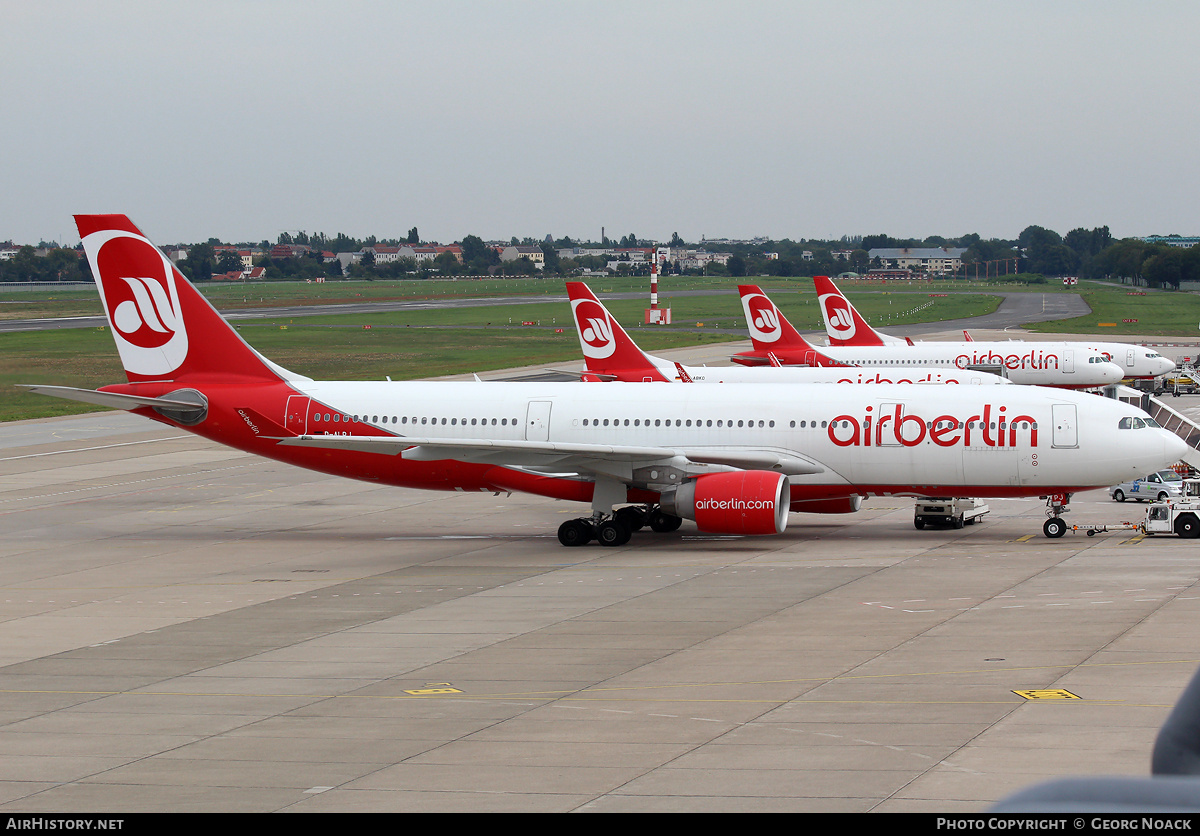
[[893, 427], [1032, 359]]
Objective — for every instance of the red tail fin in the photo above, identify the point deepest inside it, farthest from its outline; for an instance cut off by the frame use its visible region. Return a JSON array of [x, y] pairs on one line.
[[843, 324], [163, 327], [769, 329], [607, 349]]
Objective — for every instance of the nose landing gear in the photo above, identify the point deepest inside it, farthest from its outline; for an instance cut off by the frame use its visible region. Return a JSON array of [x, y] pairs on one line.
[[1056, 505]]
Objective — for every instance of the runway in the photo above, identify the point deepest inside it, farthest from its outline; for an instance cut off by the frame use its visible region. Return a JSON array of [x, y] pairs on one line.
[[190, 628]]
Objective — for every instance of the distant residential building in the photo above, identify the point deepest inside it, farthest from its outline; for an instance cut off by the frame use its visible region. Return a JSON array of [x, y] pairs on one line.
[[930, 259], [290, 250], [1173, 240], [454, 250], [534, 254]]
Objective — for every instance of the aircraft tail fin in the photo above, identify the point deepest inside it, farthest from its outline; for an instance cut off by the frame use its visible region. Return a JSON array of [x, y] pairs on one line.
[[844, 324], [164, 329], [607, 349], [769, 328], [771, 332]]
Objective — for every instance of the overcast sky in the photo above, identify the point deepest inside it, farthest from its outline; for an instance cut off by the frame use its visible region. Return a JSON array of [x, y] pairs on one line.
[[786, 119]]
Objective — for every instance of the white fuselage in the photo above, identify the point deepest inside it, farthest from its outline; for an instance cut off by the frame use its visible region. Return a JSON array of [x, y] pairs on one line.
[[921, 440], [830, 374], [1070, 365]]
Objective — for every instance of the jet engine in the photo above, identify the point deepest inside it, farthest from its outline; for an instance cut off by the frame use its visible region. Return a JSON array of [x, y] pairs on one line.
[[740, 502]]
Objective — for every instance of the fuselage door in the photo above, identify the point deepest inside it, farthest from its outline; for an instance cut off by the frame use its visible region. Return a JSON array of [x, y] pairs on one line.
[[537, 421], [1069, 361], [1066, 430], [295, 418]]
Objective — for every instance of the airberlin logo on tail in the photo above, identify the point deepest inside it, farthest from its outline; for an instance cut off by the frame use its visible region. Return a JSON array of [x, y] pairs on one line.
[[595, 329], [762, 318], [137, 284], [838, 318]]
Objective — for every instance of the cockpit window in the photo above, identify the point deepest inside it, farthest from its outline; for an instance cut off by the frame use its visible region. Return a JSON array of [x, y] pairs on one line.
[[1135, 423]]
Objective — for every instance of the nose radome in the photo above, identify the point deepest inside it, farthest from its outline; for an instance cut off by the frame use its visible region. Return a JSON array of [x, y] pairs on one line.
[[1174, 447]]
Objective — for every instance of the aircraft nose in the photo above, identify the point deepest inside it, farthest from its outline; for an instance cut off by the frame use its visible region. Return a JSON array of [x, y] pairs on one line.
[[1168, 365], [1174, 447]]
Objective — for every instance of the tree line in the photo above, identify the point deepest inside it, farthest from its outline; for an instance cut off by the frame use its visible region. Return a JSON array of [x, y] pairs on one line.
[[1039, 251]]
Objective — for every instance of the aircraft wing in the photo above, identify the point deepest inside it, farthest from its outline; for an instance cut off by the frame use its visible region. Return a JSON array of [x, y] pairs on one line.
[[591, 458]]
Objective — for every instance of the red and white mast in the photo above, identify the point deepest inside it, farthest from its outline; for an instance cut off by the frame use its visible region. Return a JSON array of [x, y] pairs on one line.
[[655, 315]]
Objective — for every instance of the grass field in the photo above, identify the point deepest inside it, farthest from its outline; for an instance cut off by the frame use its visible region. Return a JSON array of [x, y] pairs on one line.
[[431, 343]]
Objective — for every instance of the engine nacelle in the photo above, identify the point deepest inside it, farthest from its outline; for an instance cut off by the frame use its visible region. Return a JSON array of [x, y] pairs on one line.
[[741, 502], [835, 505]]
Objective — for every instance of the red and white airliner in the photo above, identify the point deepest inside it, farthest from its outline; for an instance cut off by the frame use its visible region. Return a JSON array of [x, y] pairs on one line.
[[611, 354], [1063, 365], [735, 458], [846, 327]]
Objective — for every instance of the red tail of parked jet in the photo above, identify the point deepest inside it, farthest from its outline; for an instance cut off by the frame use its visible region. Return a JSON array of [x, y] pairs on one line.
[[607, 350], [144, 297], [776, 342], [843, 324]]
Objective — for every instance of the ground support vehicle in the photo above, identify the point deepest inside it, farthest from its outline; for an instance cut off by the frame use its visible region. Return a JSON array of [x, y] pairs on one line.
[[948, 513]]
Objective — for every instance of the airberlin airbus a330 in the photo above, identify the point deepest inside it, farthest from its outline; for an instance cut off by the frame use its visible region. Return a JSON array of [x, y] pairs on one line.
[[847, 328], [1064, 365], [735, 458]]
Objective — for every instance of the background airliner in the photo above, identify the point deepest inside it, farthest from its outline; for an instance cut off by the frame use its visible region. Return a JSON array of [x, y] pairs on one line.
[[1063, 365], [846, 327], [735, 458], [611, 354]]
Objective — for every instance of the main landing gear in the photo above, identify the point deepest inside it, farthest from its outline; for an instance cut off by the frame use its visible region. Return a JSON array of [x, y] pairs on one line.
[[616, 528], [1056, 505]]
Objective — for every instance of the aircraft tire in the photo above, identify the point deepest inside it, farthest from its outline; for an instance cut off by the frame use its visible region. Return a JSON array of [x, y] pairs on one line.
[[1054, 527], [633, 517], [574, 533], [612, 533], [663, 522]]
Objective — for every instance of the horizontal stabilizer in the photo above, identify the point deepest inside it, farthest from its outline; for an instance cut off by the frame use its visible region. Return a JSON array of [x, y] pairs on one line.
[[109, 399]]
